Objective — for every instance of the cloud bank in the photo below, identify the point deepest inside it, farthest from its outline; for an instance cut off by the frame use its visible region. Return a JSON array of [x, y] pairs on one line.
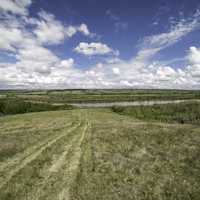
[[34, 65]]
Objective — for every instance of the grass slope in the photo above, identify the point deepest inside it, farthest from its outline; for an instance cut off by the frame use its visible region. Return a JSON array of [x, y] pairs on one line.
[[97, 154], [188, 112]]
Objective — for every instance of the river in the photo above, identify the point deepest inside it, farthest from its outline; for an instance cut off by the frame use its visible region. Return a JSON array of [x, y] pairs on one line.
[[130, 103]]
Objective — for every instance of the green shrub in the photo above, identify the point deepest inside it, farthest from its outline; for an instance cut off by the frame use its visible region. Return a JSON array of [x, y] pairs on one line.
[[16, 106], [181, 113], [117, 109]]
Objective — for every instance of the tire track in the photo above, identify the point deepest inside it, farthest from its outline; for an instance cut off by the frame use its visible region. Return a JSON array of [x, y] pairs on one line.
[[33, 156], [72, 167], [18, 158], [54, 171]]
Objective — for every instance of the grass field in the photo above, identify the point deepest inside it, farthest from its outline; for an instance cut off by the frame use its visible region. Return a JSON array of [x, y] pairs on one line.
[[79, 96], [186, 112], [89, 154]]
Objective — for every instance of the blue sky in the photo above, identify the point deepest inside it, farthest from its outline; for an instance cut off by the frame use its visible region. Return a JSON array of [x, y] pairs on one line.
[[99, 44]]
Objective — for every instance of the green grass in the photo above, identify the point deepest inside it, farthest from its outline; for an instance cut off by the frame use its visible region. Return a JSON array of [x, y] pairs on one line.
[[178, 113], [98, 154], [78, 96], [128, 159], [17, 106]]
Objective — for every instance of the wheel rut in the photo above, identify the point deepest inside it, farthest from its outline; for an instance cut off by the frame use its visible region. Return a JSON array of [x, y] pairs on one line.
[[27, 152], [63, 171], [30, 157], [72, 168]]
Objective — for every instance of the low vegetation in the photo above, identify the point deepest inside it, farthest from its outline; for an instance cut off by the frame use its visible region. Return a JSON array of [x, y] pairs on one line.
[[181, 113], [122, 153], [129, 159], [17, 106], [80, 96], [97, 154]]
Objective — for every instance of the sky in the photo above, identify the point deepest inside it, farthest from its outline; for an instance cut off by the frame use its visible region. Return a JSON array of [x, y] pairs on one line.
[[48, 44]]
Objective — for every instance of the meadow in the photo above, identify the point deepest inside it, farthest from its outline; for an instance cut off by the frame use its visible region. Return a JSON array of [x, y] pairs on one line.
[[107, 95], [122, 153]]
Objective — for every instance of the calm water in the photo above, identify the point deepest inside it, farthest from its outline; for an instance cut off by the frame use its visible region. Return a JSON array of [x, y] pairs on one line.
[[125, 103]]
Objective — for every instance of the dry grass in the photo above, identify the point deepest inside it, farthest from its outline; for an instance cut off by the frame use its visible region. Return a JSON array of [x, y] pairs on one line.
[[97, 154]]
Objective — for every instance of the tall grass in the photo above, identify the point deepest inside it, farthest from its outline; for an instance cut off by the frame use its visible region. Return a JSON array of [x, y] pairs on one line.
[[16, 106], [81, 96], [181, 113]]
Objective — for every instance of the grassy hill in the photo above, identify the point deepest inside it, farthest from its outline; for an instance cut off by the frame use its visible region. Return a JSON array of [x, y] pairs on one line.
[[98, 154]]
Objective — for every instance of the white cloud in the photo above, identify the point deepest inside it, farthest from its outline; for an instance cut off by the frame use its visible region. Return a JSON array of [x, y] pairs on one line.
[[15, 6], [113, 60], [116, 70], [72, 30], [49, 30], [194, 55], [194, 61], [151, 45], [9, 38], [84, 29], [94, 48], [36, 59], [67, 63], [37, 66]]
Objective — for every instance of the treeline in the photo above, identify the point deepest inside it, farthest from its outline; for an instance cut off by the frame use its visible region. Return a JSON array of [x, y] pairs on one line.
[[17, 106], [179, 113]]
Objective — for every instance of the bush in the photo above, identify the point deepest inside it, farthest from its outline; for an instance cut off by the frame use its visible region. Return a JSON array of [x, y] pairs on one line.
[[117, 109], [181, 113], [15, 106]]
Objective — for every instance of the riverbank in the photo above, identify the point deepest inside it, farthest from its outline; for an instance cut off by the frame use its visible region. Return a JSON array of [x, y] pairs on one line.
[[133, 103]]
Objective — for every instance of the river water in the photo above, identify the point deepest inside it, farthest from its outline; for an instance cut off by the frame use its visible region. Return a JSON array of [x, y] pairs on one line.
[[130, 103]]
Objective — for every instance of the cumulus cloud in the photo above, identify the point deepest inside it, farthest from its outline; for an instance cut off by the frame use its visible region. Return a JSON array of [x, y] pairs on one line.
[[51, 31], [67, 63], [84, 29], [15, 6], [194, 55], [116, 70], [9, 38], [94, 48], [36, 66], [194, 61], [35, 58]]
